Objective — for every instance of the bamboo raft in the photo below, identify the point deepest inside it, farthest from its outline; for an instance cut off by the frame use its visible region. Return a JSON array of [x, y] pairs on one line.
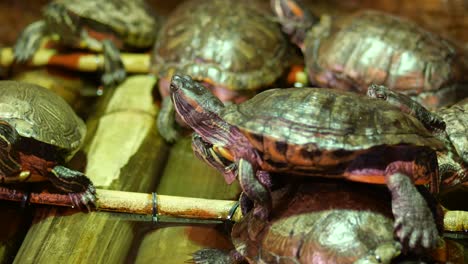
[[130, 163]]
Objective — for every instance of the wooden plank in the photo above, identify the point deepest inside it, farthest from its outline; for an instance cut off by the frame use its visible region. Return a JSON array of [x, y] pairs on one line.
[[124, 153], [185, 175]]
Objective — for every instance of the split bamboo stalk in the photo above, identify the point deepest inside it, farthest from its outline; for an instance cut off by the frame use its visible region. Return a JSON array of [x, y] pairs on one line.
[[122, 143]]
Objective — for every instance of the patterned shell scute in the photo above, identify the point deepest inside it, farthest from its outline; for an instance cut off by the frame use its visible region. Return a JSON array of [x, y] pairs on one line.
[[134, 21], [456, 119], [328, 119], [373, 47], [228, 43], [40, 114]]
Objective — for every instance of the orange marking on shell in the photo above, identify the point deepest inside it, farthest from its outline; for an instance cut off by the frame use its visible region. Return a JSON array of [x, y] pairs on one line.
[[103, 36]]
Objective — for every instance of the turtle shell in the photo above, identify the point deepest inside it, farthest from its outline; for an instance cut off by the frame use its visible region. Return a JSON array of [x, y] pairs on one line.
[[42, 115], [367, 47], [231, 44], [456, 120], [319, 222], [134, 22], [300, 128]]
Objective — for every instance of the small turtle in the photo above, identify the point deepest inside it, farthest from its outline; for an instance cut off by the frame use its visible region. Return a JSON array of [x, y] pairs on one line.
[[316, 222], [317, 132], [38, 132], [351, 52], [231, 46], [449, 124], [101, 26]]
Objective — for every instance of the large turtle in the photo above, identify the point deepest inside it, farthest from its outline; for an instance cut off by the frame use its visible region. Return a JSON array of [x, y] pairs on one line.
[[317, 132], [449, 124], [351, 52], [38, 132], [232, 46], [317, 222], [97, 25]]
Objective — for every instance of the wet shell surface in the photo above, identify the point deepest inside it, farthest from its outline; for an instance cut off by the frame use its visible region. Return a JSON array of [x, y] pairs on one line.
[[40, 114], [232, 44]]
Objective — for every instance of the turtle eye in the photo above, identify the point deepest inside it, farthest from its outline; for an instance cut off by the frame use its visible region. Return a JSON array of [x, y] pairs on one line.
[[381, 96]]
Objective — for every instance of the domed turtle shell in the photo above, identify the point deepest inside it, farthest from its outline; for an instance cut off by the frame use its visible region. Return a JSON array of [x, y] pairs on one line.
[[40, 114], [456, 121], [134, 22], [367, 47], [320, 222], [232, 44], [311, 119]]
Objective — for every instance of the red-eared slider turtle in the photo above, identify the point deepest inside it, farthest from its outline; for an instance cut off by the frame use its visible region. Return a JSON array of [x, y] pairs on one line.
[[233, 47], [317, 132], [449, 124], [38, 132], [353, 51], [105, 26], [316, 222]]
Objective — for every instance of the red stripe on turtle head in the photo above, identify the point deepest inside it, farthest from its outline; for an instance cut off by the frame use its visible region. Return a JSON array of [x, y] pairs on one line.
[[199, 109]]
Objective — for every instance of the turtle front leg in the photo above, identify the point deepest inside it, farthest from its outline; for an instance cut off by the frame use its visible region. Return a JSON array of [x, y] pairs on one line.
[[166, 121], [29, 41], [10, 162], [114, 70], [414, 222], [254, 189], [79, 187], [216, 256]]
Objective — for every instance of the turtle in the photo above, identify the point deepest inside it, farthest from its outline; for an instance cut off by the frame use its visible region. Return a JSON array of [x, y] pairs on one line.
[[101, 26], [39, 132], [318, 221], [232, 46], [352, 51], [449, 124], [317, 132]]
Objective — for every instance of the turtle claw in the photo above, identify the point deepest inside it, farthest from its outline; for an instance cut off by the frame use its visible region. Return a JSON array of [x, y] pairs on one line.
[[80, 189], [86, 199], [114, 70], [29, 41]]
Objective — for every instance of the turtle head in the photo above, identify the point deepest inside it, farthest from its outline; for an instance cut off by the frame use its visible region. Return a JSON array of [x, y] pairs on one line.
[[199, 109], [407, 105], [294, 18]]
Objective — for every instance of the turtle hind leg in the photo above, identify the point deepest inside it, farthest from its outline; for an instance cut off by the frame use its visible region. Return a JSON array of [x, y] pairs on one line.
[[29, 41], [216, 256], [79, 187], [414, 222], [167, 125], [114, 70]]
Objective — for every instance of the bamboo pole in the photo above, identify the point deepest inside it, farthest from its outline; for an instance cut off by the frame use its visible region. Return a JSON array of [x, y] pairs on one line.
[[177, 206], [138, 203], [78, 61], [122, 142]]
